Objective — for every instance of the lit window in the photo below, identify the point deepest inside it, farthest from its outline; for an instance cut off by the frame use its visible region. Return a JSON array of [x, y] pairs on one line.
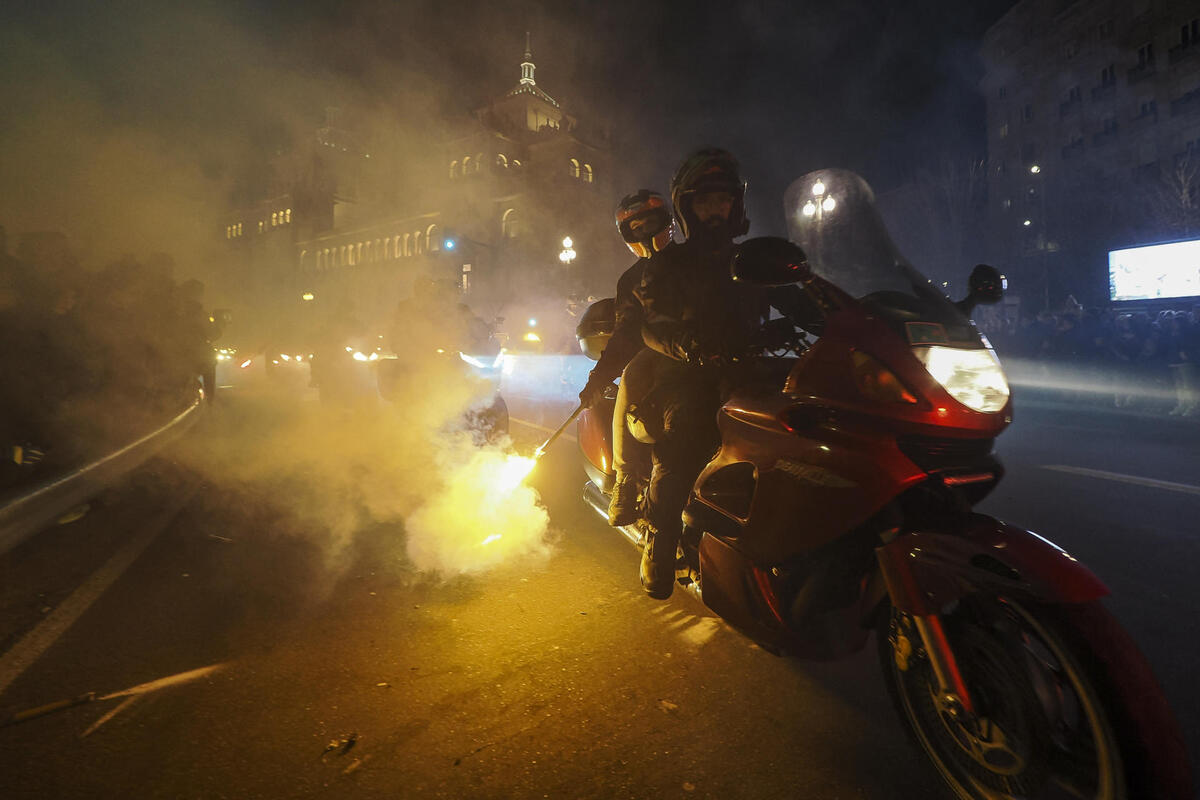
[[510, 224], [407, 246], [262, 225], [274, 219], [587, 173], [1004, 131], [228, 231], [573, 168], [239, 229], [466, 164], [433, 239], [515, 164], [501, 160], [418, 244], [453, 169], [287, 214]]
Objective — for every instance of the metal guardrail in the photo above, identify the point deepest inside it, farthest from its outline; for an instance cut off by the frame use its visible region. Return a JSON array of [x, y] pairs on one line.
[[29, 510]]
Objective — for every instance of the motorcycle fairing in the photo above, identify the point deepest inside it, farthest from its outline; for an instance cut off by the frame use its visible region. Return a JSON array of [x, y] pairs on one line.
[[809, 490], [594, 431], [748, 598], [928, 569]]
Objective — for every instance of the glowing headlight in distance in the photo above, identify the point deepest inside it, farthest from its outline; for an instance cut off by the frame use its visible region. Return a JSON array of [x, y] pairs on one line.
[[359, 356], [972, 377]]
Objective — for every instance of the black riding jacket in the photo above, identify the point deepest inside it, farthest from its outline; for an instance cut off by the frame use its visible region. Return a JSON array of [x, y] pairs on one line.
[[626, 339], [690, 300]]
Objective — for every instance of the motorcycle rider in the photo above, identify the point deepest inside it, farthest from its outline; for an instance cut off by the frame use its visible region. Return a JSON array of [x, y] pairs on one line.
[[697, 322], [647, 228]]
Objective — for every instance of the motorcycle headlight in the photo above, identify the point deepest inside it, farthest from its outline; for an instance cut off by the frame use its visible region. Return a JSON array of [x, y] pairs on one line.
[[972, 377]]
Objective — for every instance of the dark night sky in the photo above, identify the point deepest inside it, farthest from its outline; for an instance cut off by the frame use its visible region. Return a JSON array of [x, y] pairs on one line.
[[188, 90]]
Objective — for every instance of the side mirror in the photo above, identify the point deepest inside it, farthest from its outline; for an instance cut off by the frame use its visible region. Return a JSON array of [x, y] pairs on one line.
[[769, 261], [986, 285]]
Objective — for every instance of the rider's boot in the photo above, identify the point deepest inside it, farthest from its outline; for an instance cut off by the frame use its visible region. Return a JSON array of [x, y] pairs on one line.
[[623, 507], [658, 563]]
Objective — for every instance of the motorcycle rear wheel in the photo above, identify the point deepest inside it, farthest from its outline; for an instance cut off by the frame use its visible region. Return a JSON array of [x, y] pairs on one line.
[[1045, 705]]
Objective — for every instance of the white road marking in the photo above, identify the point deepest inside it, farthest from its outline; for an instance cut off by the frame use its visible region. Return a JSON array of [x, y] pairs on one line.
[[1185, 488], [534, 425], [33, 644]]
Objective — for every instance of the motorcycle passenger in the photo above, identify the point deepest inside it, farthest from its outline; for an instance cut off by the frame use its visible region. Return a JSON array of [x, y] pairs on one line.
[[647, 228]]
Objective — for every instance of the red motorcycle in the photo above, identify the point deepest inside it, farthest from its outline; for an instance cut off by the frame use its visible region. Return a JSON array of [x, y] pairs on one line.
[[840, 502]]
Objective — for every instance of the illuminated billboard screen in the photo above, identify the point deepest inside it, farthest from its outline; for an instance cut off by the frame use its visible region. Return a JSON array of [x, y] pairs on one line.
[[1155, 272]]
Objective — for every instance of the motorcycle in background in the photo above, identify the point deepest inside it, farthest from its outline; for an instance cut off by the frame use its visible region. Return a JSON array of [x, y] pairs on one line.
[[840, 501]]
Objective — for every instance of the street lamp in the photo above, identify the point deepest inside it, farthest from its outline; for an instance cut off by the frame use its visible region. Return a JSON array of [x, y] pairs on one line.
[[307, 296], [567, 254], [820, 204]]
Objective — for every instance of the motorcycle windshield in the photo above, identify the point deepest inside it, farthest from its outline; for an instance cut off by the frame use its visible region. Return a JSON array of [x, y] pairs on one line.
[[831, 215]]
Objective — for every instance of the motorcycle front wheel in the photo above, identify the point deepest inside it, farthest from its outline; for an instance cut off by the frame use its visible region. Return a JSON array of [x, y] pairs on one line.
[[1049, 719]]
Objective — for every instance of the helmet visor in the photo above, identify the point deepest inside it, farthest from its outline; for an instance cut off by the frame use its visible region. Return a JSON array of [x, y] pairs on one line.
[[644, 226]]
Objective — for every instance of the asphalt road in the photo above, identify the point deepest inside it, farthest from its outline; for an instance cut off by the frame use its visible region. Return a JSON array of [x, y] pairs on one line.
[[268, 660]]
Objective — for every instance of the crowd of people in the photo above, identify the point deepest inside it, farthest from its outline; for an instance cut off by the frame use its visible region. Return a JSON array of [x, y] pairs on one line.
[[90, 356], [1144, 360]]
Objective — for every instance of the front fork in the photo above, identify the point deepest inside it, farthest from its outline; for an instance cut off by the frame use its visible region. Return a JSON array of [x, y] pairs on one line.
[[906, 594]]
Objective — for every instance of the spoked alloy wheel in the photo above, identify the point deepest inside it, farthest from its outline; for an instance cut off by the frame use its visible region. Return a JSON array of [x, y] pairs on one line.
[[1039, 729]]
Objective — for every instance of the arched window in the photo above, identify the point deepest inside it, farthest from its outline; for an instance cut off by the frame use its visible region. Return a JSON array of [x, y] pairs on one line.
[[287, 215], [342, 256], [587, 173], [433, 237], [303, 259], [274, 218], [573, 168], [370, 251], [478, 161], [407, 245], [328, 258], [510, 224], [418, 244], [515, 164], [453, 169], [466, 164], [501, 161], [358, 253]]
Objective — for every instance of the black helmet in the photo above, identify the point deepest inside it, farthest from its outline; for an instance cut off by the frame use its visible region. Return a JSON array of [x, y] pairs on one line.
[[708, 170], [644, 222]]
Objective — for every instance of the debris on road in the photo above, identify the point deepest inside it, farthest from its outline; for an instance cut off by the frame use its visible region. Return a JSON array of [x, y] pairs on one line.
[[77, 513], [342, 745], [48, 708], [355, 764], [667, 706]]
